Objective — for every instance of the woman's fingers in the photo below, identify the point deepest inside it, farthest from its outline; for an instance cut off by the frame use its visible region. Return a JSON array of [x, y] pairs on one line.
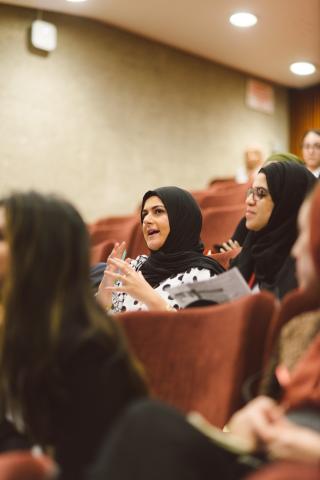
[[120, 264], [122, 273], [229, 245], [118, 250], [225, 247]]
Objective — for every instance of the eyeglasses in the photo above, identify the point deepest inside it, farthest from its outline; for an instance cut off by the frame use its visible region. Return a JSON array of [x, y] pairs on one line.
[[310, 146], [258, 193]]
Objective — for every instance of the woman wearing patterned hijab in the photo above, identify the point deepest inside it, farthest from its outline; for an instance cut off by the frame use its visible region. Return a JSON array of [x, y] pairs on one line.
[[171, 223], [272, 207]]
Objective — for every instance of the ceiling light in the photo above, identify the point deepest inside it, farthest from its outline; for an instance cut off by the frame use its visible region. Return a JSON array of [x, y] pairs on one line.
[[243, 19], [302, 68], [76, 1]]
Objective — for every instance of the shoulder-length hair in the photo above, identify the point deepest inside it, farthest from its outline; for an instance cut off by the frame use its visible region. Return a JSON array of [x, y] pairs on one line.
[[49, 307]]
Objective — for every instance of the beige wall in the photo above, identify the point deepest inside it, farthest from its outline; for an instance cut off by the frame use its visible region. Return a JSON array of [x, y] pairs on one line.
[[109, 115]]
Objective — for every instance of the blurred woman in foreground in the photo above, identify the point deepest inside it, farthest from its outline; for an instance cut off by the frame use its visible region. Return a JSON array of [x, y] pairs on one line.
[[65, 372]]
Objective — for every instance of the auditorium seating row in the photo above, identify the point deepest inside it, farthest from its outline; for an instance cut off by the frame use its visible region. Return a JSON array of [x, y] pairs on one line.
[[199, 359], [210, 359], [222, 206]]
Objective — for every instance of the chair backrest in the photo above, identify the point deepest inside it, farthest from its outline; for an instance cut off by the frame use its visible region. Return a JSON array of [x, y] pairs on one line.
[[225, 257], [199, 195], [223, 198], [138, 245], [221, 182], [293, 304], [100, 252], [199, 358], [115, 220], [220, 223], [22, 465], [286, 471], [122, 231]]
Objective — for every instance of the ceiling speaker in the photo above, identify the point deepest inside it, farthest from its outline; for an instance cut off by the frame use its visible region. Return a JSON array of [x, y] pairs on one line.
[[44, 35]]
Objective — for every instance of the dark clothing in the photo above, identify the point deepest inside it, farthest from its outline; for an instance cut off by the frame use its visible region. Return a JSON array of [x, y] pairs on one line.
[[96, 275], [183, 248], [99, 385], [266, 251], [11, 439], [79, 400], [285, 281], [153, 441], [240, 232], [95, 389]]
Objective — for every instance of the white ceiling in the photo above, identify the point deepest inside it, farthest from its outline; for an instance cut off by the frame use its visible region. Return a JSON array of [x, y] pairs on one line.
[[287, 30]]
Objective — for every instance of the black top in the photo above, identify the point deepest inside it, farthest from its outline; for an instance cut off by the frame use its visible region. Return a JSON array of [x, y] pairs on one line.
[[240, 232], [265, 252], [183, 248], [99, 387]]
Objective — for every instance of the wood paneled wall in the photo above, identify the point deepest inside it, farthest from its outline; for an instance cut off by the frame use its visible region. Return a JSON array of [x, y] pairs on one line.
[[304, 114]]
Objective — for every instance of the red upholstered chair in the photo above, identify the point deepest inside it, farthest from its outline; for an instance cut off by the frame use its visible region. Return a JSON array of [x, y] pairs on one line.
[[225, 257], [199, 358], [221, 182], [286, 471], [100, 252], [294, 303], [220, 223], [224, 198], [138, 245], [123, 231], [115, 220], [199, 195], [21, 465]]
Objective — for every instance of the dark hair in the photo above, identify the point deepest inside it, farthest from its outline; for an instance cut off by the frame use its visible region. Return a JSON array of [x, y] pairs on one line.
[[311, 130], [49, 308]]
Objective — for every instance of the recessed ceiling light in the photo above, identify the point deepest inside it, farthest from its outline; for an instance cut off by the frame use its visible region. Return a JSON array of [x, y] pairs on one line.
[[76, 1], [243, 19], [302, 68]]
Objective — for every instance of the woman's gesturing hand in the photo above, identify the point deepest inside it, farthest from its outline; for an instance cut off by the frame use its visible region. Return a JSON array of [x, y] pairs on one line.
[[229, 245], [104, 296], [133, 283]]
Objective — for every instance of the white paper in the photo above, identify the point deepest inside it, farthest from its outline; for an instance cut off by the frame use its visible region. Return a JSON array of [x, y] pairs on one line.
[[220, 289]]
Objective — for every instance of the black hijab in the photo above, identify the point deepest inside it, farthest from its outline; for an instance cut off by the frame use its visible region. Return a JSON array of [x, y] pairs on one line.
[[183, 248], [265, 252]]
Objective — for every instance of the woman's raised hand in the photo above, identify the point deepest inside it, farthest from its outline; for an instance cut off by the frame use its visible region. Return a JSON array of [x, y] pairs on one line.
[[229, 245], [133, 283], [104, 296]]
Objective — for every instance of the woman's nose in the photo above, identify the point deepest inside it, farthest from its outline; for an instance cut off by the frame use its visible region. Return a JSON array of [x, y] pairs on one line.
[[147, 218], [250, 200]]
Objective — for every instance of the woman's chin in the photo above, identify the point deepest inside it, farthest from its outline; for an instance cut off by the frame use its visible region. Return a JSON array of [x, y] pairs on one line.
[[153, 246], [250, 225]]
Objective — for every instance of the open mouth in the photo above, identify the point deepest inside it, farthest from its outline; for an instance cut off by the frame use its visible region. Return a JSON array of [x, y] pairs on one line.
[[152, 232]]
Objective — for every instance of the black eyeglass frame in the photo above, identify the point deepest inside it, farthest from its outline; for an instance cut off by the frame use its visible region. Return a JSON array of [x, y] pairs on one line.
[[258, 193]]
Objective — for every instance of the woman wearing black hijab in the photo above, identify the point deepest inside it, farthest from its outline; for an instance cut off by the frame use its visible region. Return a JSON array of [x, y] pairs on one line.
[[171, 223], [272, 207]]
